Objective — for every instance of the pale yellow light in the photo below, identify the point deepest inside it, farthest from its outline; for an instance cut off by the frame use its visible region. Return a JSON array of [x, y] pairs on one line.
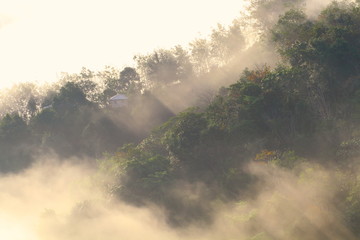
[[12, 230], [47, 37]]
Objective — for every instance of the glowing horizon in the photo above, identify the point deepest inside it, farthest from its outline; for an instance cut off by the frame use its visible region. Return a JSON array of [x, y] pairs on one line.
[[39, 39]]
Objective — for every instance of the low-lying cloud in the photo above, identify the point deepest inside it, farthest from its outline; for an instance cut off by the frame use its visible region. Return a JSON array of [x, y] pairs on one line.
[[54, 201]]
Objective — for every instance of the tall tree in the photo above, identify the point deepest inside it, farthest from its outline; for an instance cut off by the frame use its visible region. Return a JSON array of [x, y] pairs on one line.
[[163, 67], [16, 143]]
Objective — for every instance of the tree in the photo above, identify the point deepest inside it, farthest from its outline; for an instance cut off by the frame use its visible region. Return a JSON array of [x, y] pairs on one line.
[[163, 67], [226, 43], [266, 13], [16, 99], [223, 45], [327, 49], [183, 138], [129, 81], [142, 176], [16, 144], [200, 50], [87, 81], [69, 99], [31, 107]]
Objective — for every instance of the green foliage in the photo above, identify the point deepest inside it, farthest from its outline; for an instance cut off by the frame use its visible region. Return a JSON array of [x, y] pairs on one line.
[[287, 160], [164, 67], [185, 134], [306, 106], [267, 12], [16, 142], [349, 149], [127, 81], [291, 27], [327, 49], [263, 105], [352, 211], [44, 123], [142, 176], [73, 125], [69, 99]]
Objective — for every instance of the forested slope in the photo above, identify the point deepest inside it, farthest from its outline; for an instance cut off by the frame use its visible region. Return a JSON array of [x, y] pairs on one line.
[[301, 116], [274, 137]]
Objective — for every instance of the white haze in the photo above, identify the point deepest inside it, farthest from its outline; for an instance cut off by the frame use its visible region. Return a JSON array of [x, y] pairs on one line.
[[55, 201], [40, 39], [47, 37]]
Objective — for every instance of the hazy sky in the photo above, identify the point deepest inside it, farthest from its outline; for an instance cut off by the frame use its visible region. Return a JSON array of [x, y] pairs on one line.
[[39, 39]]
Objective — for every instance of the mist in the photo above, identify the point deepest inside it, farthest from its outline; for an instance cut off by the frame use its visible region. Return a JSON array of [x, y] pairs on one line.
[[251, 132], [57, 200]]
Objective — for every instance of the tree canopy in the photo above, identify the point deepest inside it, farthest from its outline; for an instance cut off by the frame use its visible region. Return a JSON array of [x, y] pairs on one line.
[[294, 116]]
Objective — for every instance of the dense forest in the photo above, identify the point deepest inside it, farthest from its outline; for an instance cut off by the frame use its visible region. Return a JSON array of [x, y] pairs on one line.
[[250, 133]]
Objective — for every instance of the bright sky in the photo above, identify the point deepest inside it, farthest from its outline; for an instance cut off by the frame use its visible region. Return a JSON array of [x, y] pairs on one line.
[[39, 39]]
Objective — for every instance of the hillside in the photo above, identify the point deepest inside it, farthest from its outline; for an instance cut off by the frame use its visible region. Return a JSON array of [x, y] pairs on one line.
[[251, 133]]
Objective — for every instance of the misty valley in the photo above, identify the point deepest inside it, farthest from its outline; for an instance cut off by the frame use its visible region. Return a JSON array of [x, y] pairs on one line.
[[252, 132]]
